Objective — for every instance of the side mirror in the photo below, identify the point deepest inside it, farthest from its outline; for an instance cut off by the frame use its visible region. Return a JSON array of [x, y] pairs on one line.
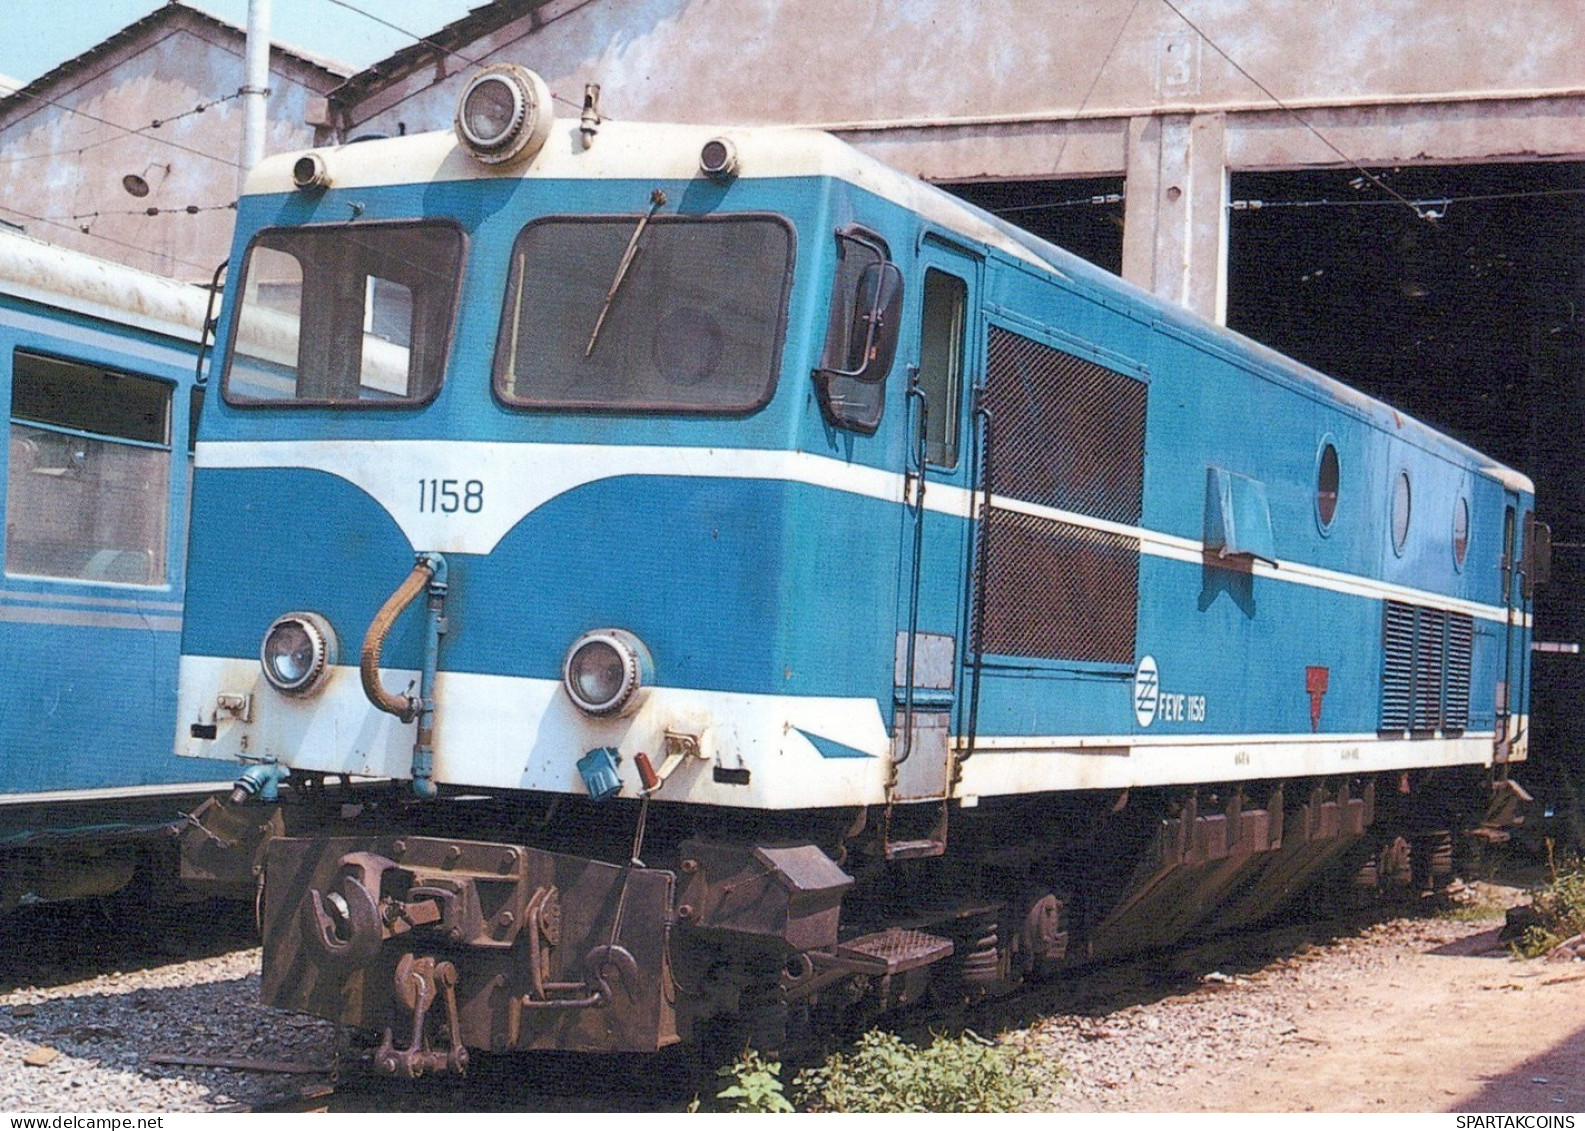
[[877, 309]]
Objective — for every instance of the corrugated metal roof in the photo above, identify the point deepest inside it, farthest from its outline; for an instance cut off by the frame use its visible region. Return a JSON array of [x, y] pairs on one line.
[[170, 10]]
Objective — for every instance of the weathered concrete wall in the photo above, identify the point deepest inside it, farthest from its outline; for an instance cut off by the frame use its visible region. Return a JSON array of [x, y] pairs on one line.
[[1049, 88], [62, 162]]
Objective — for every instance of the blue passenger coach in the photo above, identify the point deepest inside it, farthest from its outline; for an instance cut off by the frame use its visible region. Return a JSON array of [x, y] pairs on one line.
[[97, 366], [775, 588]]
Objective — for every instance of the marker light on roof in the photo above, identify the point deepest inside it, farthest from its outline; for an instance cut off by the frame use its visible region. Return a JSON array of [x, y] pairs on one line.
[[504, 114], [718, 159], [309, 173]]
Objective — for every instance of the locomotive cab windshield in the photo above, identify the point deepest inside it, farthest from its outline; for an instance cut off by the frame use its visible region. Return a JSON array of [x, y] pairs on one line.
[[657, 312], [345, 314]]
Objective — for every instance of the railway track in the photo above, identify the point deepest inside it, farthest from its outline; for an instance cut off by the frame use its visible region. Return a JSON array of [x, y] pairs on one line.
[[56, 944], [561, 1083], [672, 1081]]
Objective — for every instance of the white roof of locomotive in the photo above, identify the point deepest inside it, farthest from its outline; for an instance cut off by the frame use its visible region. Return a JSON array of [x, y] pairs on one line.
[[669, 152], [641, 151], [41, 272]]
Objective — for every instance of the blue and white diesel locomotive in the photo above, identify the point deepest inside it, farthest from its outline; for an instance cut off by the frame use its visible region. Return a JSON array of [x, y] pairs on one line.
[[776, 590], [97, 366]]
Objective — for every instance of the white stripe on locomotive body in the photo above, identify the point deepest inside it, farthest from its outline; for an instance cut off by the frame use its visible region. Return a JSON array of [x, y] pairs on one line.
[[770, 735], [82, 618], [488, 719], [132, 601], [175, 791], [1013, 766], [388, 471]]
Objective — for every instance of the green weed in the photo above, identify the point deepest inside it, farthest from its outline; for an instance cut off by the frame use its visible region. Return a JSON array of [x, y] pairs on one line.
[[884, 1073], [1560, 905], [755, 1086]]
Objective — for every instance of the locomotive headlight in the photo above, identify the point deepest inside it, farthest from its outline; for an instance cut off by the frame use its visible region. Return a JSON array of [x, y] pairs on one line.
[[298, 650], [504, 114], [605, 670]]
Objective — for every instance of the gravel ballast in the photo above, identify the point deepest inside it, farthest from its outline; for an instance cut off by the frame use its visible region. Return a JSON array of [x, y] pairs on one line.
[[86, 1044], [105, 1029]]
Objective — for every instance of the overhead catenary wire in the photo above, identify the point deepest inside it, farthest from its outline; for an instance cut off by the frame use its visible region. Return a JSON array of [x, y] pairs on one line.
[[107, 239], [1294, 114], [151, 210], [7, 90], [82, 222], [453, 52], [1426, 208], [199, 109], [125, 130], [1097, 200], [139, 131], [1095, 81], [75, 222], [413, 35]]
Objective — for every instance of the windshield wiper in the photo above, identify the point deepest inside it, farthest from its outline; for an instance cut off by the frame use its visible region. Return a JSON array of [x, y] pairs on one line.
[[656, 199]]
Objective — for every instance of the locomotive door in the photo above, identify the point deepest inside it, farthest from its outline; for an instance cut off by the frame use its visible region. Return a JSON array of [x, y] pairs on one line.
[[935, 538], [1520, 564]]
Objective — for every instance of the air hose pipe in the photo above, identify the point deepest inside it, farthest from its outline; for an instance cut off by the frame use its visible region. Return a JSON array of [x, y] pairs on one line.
[[429, 573]]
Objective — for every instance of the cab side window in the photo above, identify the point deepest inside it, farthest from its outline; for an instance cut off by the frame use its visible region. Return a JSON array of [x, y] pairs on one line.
[[941, 364]]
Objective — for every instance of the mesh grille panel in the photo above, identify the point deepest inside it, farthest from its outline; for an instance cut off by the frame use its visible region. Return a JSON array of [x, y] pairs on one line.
[[1057, 590], [1426, 658], [1069, 433]]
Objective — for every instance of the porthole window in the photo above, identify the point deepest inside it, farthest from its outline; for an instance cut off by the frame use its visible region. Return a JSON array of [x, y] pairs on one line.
[[1460, 531], [1400, 511], [1326, 480]]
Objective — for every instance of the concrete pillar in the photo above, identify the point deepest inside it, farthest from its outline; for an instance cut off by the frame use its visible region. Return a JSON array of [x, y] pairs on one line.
[[1175, 216]]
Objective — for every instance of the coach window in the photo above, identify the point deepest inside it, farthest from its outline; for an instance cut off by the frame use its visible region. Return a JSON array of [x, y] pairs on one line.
[[941, 363], [355, 314], [89, 486]]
